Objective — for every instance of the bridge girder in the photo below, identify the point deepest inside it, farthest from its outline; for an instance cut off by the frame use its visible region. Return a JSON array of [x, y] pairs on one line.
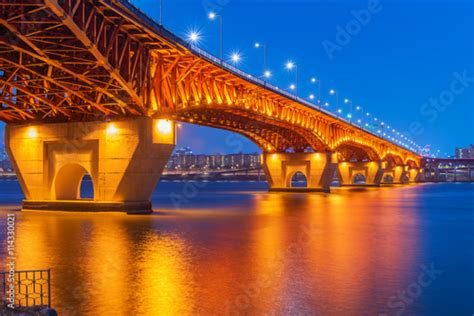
[[78, 60]]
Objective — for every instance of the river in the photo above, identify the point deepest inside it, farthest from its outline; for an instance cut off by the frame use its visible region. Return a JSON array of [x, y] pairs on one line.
[[213, 248]]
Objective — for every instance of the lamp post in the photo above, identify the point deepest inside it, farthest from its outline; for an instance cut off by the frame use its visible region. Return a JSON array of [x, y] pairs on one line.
[[335, 93], [347, 101], [161, 12], [318, 82], [368, 120], [290, 66], [212, 17], [264, 46], [360, 108]]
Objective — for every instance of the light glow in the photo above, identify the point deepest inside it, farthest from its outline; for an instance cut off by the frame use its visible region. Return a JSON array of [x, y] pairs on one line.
[[290, 65], [164, 126], [235, 57], [32, 132], [194, 36], [112, 129], [212, 15]]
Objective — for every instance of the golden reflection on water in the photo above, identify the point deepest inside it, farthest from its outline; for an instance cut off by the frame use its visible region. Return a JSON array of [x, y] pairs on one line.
[[282, 253]]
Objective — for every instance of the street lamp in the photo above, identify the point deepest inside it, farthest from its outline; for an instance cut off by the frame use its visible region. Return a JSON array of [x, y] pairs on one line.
[[257, 46], [212, 16], [235, 58], [368, 120], [194, 36], [161, 12], [290, 66], [360, 108], [347, 101], [334, 92], [318, 82]]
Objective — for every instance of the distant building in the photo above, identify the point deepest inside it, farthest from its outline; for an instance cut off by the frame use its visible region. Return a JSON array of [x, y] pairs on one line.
[[465, 153], [183, 151], [184, 159]]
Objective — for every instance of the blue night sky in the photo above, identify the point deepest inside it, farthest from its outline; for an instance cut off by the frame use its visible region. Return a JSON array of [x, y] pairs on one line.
[[408, 53]]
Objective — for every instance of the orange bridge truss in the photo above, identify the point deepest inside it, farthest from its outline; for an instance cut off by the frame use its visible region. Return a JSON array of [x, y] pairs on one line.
[[88, 60]]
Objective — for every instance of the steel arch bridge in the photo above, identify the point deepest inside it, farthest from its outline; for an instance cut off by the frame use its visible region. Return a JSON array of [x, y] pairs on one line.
[[79, 61]]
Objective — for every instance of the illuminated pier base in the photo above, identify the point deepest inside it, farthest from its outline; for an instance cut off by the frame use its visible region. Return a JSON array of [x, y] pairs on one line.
[[397, 174], [124, 159], [414, 175], [318, 168], [401, 175], [360, 173]]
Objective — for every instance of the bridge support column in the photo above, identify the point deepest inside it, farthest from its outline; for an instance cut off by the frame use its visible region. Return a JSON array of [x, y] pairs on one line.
[[124, 159], [414, 175], [398, 174], [372, 171], [318, 168]]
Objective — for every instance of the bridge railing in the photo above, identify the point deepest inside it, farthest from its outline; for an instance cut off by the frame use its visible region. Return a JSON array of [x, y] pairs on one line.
[[31, 288]]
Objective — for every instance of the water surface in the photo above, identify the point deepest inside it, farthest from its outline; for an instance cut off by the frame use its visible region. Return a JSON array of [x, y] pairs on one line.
[[233, 248]]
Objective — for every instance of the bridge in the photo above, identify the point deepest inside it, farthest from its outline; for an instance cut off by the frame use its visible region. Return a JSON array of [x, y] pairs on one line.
[[96, 87], [448, 170]]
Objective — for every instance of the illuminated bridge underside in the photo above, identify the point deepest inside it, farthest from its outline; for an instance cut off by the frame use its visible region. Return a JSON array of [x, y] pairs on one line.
[[94, 60], [65, 61]]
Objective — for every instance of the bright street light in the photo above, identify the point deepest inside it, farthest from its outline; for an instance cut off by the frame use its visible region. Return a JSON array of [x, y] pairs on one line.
[[347, 101], [235, 58], [212, 16], [318, 82], [290, 66], [257, 46], [194, 36], [334, 92]]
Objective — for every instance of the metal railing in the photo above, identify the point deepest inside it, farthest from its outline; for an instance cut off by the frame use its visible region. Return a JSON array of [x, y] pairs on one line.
[[32, 288]]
